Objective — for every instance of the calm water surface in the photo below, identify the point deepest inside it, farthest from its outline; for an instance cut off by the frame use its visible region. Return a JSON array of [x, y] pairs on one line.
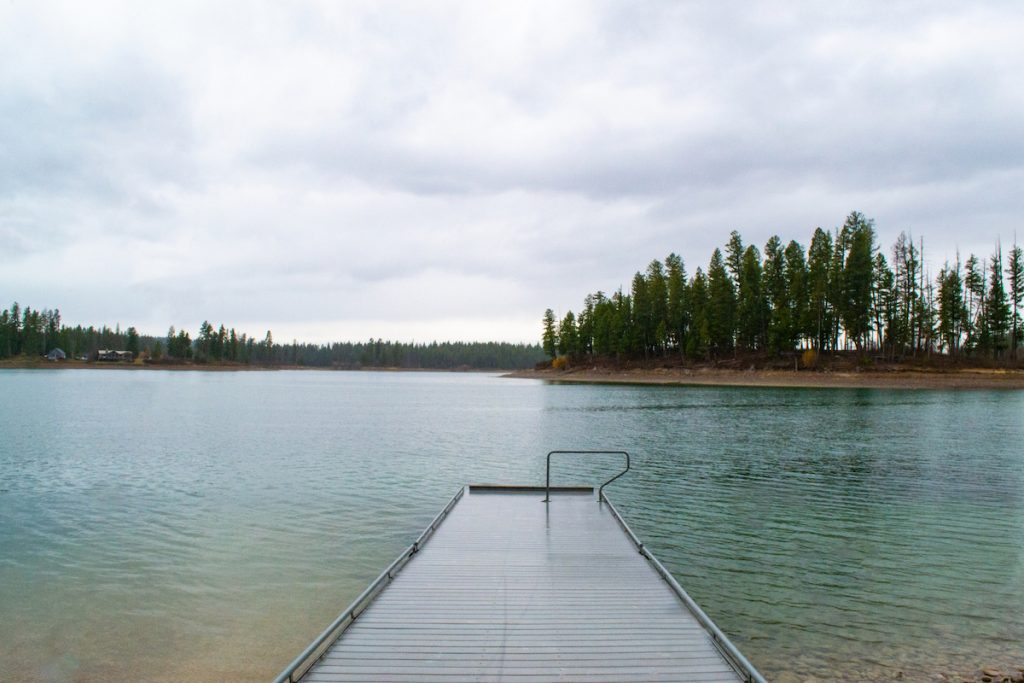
[[199, 526]]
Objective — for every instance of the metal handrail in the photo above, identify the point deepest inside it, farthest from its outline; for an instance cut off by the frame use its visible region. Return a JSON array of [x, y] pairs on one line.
[[731, 653], [600, 491], [346, 618]]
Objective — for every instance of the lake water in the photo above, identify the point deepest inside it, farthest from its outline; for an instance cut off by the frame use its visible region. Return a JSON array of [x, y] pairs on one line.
[[199, 526]]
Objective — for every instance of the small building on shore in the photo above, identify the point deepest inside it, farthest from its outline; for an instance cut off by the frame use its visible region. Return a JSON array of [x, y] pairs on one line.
[[111, 356], [56, 354]]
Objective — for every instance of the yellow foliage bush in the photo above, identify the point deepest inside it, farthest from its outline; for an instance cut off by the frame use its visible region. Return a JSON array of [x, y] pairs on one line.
[[559, 363], [809, 358]]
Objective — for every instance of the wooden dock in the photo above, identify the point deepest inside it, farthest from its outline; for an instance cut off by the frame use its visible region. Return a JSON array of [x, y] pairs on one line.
[[510, 588]]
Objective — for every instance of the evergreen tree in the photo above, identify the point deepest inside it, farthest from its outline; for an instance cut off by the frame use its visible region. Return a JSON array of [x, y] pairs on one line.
[[698, 339], [132, 343], [1015, 275], [604, 311], [585, 325], [220, 343], [952, 312], [657, 303], [974, 284], [796, 295], [997, 307], [15, 329], [678, 302], [819, 259], [622, 332], [837, 286], [721, 307], [5, 334], [751, 306], [734, 256], [640, 327], [205, 341], [906, 260], [550, 336], [568, 337], [857, 278], [780, 317], [883, 304]]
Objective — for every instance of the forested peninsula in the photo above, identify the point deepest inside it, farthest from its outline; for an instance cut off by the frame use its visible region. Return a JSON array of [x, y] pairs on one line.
[[28, 336], [838, 306]]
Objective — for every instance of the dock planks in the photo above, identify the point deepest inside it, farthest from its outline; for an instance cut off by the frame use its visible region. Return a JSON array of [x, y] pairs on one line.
[[509, 588]]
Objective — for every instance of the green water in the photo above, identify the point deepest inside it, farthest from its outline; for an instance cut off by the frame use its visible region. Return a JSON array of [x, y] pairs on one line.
[[205, 526]]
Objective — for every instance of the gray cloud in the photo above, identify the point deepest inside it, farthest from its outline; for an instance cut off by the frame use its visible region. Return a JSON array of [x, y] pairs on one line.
[[349, 169]]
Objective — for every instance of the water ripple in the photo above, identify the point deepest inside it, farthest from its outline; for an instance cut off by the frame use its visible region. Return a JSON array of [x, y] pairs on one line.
[[197, 526]]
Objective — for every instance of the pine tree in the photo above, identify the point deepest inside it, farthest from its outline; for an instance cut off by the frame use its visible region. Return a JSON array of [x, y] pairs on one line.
[[780, 317], [837, 286], [604, 311], [952, 312], [640, 327], [678, 302], [907, 264], [550, 336], [132, 343], [1015, 274], [657, 303], [751, 305], [796, 293], [268, 347], [585, 325], [698, 339], [734, 256], [974, 285], [883, 301], [622, 333], [857, 277], [819, 259], [721, 308], [568, 338], [997, 306]]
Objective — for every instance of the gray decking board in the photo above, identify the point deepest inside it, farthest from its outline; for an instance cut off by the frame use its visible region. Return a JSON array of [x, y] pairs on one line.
[[510, 589]]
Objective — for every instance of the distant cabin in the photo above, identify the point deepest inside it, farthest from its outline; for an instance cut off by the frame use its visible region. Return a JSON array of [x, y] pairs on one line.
[[56, 354], [113, 356]]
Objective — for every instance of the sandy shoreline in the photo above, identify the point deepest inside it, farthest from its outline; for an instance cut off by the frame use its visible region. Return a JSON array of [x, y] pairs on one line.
[[973, 379], [964, 379]]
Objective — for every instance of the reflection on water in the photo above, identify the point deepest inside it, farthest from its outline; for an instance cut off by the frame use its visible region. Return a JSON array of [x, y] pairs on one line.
[[205, 526]]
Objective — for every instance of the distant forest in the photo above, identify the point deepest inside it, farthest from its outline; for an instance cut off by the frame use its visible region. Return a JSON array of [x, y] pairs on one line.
[[34, 333], [840, 294]]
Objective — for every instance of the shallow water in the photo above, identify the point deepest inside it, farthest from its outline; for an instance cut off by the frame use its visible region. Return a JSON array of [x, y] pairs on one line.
[[206, 526]]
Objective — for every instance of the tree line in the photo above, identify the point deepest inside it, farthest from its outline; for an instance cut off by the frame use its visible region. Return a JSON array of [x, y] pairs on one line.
[[839, 294], [33, 333]]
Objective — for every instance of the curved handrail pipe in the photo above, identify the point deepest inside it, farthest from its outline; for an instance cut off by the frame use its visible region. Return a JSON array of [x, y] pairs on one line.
[[600, 491]]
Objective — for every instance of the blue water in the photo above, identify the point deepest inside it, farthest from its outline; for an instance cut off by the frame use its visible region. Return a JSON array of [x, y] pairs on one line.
[[205, 526]]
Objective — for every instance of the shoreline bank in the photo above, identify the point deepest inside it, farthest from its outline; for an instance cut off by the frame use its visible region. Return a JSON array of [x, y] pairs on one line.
[[973, 379], [215, 367]]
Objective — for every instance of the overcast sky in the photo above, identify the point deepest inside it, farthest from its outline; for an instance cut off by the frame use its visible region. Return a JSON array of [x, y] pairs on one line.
[[448, 171]]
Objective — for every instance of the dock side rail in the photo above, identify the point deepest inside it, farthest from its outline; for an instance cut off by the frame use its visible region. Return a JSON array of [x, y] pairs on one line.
[[725, 646], [301, 664], [600, 491]]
